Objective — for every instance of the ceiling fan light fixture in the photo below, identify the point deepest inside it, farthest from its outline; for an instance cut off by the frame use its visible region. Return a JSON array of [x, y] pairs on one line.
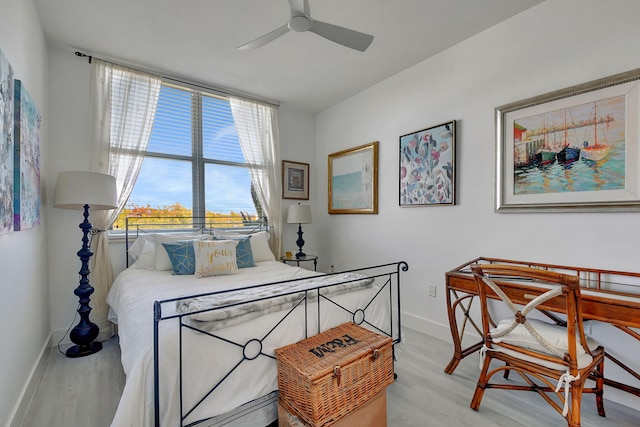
[[300, 23]]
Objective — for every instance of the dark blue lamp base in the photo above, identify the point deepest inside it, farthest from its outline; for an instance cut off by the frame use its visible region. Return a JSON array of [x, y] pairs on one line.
[[85, 332], [81, 351], [300, 243]]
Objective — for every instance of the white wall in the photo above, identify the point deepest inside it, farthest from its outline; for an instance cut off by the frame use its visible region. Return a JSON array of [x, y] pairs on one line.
[[24, 291], [555, 45], [297, 143], [70, 135]]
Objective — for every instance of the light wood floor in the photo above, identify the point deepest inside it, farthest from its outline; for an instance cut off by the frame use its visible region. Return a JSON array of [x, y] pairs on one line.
[[85, 392]]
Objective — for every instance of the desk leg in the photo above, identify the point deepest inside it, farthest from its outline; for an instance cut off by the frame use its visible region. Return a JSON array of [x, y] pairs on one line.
[[315, 265], [456, 334]]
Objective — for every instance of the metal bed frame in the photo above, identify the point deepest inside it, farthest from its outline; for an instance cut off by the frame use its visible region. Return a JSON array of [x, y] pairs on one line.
[[386, 277], [387, 274]]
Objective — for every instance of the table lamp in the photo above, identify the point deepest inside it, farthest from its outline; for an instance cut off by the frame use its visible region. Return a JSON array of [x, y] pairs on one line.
[[299, 214], [81, 191]]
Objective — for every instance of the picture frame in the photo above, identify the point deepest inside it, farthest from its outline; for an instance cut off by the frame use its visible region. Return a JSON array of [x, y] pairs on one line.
[[353, 180], [295, 180], [571, 150], [427, 166]]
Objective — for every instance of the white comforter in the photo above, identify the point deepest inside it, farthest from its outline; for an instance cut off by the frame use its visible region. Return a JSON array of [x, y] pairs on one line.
[[131, 299]]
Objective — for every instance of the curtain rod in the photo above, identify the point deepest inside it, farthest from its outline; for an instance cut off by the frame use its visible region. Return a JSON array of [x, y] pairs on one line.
[[174, 79]]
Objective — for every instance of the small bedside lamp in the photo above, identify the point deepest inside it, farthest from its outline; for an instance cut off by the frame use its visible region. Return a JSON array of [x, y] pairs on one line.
[[299, 214], [84, 190]]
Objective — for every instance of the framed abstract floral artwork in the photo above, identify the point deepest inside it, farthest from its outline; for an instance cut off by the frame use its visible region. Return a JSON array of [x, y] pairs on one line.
[[427, 166]]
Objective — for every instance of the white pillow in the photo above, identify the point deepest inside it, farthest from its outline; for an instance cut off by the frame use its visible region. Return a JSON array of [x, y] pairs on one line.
[[554, 334], [145, 254], [137, 246], [260, 247], [154, 256], [215, 257]]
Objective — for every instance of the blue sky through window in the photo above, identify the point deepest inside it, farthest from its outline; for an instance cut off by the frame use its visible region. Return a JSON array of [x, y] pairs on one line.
[[163, 182]]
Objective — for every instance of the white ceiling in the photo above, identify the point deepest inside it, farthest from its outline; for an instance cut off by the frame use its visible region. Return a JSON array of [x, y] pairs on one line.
[[197, 40]]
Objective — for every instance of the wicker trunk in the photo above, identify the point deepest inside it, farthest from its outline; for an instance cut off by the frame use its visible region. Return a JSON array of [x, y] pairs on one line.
[[371, 414], [327, 376]]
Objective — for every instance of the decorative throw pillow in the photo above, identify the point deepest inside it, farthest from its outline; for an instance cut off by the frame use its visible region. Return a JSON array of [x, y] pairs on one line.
[[215, 257], [244, 254], [148, 253], [162, 261], [182, 256]]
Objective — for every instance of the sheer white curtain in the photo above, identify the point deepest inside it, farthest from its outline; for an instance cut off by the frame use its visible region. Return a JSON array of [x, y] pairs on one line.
[[257, 127], [124, 102]]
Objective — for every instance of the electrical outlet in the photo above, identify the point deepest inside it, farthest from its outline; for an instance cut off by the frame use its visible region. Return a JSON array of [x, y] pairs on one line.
[[432, 290]]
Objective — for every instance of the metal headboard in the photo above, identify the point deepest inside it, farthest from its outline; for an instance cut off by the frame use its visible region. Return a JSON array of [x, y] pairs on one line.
[[137, 225]]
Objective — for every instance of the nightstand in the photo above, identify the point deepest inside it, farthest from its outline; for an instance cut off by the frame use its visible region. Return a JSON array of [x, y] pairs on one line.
[[313, 258]]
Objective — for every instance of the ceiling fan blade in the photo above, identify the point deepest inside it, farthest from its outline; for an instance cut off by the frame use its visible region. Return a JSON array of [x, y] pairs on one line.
[[299, 7], [344, 36], [262, 40]]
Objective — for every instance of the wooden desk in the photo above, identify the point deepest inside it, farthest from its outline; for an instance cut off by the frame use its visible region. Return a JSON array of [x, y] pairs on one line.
[[607, 296]]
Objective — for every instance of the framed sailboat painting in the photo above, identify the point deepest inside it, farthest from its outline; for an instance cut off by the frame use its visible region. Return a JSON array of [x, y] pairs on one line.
[[575, 149]]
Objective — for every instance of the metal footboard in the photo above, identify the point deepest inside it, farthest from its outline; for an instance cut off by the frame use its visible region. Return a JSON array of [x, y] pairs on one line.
[[386, 278]]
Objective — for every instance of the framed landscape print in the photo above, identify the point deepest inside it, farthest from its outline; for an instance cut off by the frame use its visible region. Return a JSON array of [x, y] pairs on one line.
[[353, 180], [427, 166], [295, 180], [571, 150]]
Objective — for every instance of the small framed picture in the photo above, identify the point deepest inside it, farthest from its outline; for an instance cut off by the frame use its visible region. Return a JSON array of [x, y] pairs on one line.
[[427, 166], [295, 180]]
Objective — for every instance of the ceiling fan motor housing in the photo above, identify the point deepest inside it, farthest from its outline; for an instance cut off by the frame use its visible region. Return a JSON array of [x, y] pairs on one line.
[[300, 23]]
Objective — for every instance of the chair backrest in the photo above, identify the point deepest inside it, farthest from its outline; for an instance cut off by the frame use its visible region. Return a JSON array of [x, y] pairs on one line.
[[513, 285]]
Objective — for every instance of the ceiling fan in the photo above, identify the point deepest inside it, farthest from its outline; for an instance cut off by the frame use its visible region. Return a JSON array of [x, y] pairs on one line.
[[301, 21]]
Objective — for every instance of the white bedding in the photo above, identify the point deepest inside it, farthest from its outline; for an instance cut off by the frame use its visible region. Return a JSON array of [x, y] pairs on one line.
[[131, 300]]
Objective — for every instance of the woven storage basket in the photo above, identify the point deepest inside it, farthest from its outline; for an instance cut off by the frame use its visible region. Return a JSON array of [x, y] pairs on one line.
[[324, 377]]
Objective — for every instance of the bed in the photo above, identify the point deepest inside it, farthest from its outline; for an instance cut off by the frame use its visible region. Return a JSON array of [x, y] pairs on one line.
[[200, 350]]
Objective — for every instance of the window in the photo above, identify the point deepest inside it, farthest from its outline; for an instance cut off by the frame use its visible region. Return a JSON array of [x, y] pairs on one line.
[[193, 164]]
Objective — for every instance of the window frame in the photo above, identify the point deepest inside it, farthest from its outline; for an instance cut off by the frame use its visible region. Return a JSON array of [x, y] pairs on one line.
[[197, 158]]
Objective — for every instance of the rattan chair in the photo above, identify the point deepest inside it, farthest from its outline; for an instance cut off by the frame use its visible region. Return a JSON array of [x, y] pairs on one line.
[[554, 359]]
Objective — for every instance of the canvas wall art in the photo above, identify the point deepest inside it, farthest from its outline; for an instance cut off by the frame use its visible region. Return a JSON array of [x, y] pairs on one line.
[[427, 166], [6, 145], [574, 149], [26, 160], [353, 180]]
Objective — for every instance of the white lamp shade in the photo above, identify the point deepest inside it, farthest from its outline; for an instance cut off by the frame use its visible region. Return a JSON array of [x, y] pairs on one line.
[[75, 189], [299, 214]]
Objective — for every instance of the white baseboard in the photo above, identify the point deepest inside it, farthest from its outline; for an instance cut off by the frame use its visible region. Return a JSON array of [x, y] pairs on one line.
[[58, 335], [427, 326], [20, 410]]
